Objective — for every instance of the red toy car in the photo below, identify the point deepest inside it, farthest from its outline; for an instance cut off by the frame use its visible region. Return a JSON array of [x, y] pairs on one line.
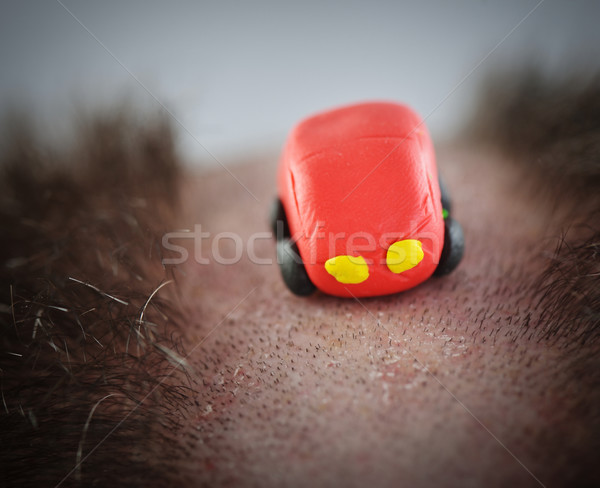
[[361, 211]]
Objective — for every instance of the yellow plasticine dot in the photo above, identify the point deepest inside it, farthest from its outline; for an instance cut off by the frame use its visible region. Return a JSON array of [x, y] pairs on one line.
[[404, 255], [348, 269]]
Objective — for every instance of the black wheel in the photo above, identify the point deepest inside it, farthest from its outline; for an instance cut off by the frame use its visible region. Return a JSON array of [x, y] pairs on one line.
[[446, 201], [292, 268], [278, 221], [454, 247]]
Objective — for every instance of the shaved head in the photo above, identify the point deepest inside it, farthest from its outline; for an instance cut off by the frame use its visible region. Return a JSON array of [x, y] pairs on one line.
[[125, 363]]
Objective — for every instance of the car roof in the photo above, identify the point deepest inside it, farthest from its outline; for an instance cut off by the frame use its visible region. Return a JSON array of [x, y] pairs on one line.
[[362, 121], [361, 168]]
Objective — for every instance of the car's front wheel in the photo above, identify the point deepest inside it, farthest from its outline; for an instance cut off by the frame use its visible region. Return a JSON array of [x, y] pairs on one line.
[[292, 268], [454, 247]]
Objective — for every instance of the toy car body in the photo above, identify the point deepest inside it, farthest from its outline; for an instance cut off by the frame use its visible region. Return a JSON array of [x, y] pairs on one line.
[[360, 198]]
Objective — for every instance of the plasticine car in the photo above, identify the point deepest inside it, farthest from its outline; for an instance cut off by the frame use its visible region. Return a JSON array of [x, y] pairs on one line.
[[361, 210]]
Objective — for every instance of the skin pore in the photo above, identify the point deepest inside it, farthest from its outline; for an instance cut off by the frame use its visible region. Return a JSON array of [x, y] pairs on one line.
[[485, 377]]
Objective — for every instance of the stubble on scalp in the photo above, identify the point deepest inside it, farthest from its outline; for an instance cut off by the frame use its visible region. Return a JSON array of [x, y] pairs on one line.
[[82, 257], [550, 130]]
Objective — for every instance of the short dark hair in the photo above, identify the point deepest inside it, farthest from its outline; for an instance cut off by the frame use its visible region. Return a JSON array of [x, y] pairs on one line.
[[88, 360], [81, 346]]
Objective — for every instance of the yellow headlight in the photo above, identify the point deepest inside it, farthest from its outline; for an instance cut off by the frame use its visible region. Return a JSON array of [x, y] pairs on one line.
[[348, 269], [404, 255]]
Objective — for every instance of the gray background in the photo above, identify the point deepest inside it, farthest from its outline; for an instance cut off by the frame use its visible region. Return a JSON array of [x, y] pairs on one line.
[[238, 75]]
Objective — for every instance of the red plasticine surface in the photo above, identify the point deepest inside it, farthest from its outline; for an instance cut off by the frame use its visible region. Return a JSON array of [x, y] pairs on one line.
[[353, 181]]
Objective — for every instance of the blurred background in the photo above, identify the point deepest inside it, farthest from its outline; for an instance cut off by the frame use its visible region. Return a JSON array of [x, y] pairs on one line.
[[237, 75]]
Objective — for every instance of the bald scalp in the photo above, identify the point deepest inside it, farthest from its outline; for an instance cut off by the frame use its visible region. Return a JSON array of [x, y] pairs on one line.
[[281, 390]]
